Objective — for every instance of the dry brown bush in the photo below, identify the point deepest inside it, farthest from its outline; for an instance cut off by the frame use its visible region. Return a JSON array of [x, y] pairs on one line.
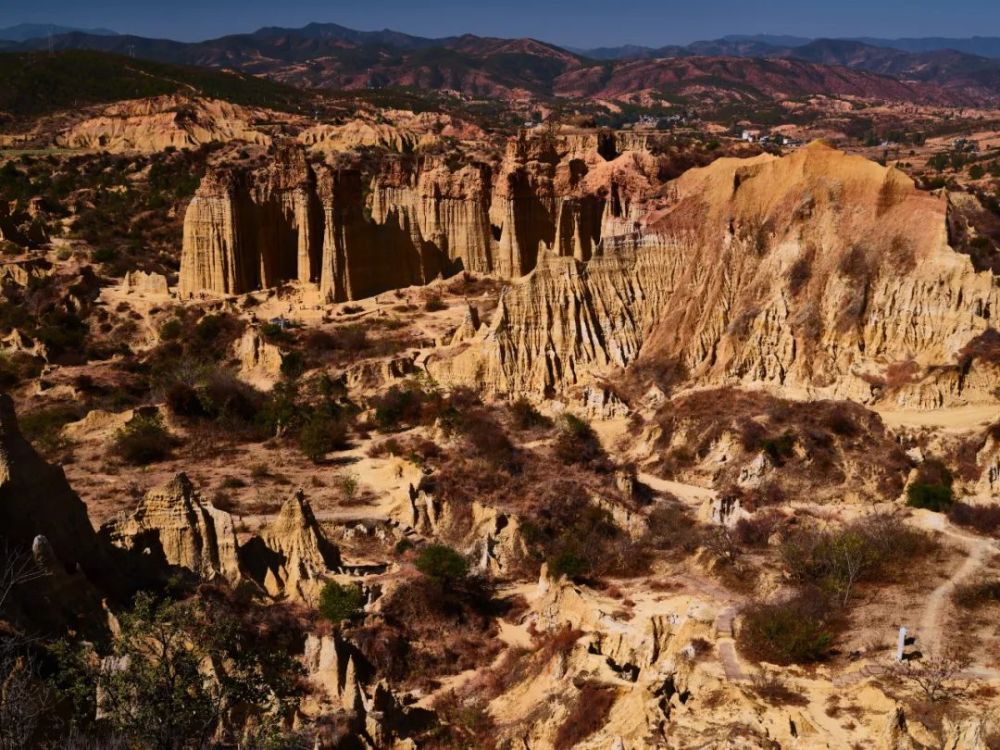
[[817, 448], [587, 715], [983, 518], [771, 687], [872, 549], [439, 629], [758, 529]]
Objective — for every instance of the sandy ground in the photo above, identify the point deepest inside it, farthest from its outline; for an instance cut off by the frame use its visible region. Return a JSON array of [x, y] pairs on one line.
[[959, 418]]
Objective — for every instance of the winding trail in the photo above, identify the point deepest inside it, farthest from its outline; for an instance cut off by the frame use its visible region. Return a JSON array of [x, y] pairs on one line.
[[726, 645], [690, 494], [725, 642], [980, 549], [929, 630]]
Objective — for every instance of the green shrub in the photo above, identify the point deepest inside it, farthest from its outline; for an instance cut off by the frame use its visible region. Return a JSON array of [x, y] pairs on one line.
[[293, 364], [400, 406], [442, 563], [17, 367], [43, 427], [796, 631], [321, 434], [526, 416], [935, 497], [143, 440], [339, 603], [434, 304], [932, 487], [568, 561], [171, 330], [275, 333], [403, 546], [577, 443], [779, 449], [104, 255]]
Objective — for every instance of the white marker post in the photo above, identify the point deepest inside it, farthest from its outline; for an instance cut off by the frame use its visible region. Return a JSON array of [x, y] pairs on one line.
[[900, 644]]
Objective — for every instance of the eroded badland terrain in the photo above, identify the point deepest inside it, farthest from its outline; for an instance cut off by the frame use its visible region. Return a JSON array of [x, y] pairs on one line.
[[635, 407]]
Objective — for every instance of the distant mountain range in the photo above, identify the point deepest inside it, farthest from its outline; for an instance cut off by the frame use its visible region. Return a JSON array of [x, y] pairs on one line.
[[734, 68], [25, 31], [765, 44]]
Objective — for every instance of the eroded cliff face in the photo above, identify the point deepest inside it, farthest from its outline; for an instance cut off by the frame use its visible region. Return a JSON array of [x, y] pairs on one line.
[[413, 219], [816, 271], [41, 517], [175, 528]]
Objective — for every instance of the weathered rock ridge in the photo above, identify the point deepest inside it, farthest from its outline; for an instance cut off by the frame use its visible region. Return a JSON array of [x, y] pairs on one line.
[[415, 219], [817, 270], [174, 528], [149, 125], [173, 525]]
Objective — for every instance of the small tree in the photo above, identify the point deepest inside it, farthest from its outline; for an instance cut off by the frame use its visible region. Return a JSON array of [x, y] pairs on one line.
[[143, 440], [182, 670], [321, 434], [338, 603], [442, 563], [23, 700], [577, 442], [936, 677]]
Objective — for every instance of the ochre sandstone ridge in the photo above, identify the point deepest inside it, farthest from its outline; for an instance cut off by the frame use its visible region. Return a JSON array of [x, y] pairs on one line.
[[448, 212], [149, 125], [244, 232], [175, 527], [413, 219], [815, 270], [395, 129]]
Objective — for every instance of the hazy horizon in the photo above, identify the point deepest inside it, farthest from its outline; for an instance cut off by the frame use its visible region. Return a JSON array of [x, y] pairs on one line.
[[591, 24]]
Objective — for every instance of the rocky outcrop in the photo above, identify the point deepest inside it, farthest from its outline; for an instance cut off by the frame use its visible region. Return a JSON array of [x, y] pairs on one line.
[[41, 516], [396, 130], [260, 361], [18, 342], [23, 225], [247, 232], [754, 273], [332, 664], [345, 683], [21, 272], [291, 557], [490, 535], [150, 284], [413, 219], [149, 125], [173, 527], [988, 457]]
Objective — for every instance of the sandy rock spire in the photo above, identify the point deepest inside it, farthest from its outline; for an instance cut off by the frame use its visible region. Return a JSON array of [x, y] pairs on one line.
[[291, 556]]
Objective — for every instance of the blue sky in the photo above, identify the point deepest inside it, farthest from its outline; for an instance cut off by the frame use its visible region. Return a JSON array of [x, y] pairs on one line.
[[584, 23]]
